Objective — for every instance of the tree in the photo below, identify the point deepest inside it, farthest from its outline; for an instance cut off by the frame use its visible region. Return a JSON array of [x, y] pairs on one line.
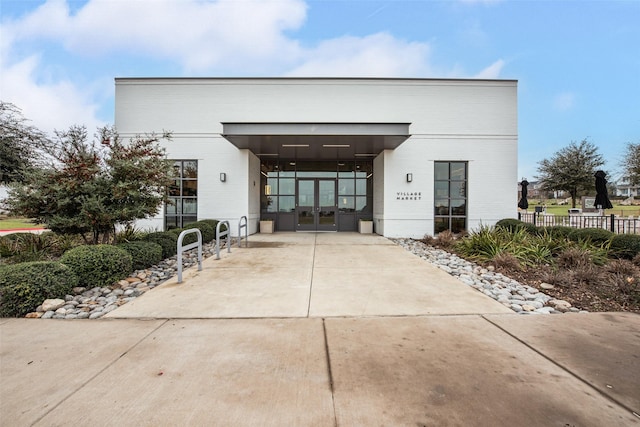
[[91, 187], [20, 144], [631, 163], [571, 169]]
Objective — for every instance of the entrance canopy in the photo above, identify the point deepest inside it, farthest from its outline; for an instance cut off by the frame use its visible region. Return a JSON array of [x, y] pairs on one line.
[[317, 141]]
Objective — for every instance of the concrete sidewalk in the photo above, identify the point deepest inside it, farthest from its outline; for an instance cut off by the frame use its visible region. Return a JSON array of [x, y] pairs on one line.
[[351, 356], [311, 275]]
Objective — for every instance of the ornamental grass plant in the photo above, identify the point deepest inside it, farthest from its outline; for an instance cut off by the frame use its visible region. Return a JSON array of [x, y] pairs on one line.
[[591, 268]]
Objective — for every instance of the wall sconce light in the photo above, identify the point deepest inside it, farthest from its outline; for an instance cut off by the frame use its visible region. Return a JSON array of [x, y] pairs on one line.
[[409, 177], [223, 177]]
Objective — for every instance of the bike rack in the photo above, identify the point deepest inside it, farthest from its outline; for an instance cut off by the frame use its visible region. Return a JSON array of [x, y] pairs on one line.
[[181, 249], [220, 234], [242, 225]]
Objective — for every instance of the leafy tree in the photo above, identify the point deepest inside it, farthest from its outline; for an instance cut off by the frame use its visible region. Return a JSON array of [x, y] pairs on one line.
[[631, 163], [20, 144], [571, 169], [92, 186]]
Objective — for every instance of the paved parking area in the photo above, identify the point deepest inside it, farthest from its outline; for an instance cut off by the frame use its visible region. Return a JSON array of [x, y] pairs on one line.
[[310, 358]]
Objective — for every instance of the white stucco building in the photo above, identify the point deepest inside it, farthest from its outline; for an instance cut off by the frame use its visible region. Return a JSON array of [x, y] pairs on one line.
[[416, 156]]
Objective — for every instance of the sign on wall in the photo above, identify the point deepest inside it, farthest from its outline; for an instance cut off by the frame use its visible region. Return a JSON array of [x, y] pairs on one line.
[[409, 195]]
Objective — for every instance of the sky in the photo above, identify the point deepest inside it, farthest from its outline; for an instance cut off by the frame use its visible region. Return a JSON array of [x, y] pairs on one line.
[[577, 62]]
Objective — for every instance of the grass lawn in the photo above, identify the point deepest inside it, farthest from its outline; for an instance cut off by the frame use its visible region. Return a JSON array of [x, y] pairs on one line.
[[15, 223], [562, 209]]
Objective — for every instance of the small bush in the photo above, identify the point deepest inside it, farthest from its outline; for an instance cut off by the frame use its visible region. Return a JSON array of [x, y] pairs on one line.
[[143, 254], [129, 234], [510, 224], [166, 239], [574, 259], [597, 236], [187, 240], [213, 223], [506, 261], [513, 225], [444, 240], [98, 265], [24, 286], [622, 267], [28, 247], [559, 231], [7, 247], [626, 246], [208, 232]]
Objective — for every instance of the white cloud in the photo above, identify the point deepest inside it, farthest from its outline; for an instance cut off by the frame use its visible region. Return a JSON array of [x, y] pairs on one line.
[[49, 105], [564, 101], [380, 55], [492, 71], [248, 37], [197, 34]]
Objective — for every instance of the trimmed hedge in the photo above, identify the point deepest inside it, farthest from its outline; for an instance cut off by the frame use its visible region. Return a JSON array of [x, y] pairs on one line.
[[596, 236], [7, 246], [514, 225], [208, 232], [214, 224], [98, 265], [166, 239], [24, 286], [559, 231], [143, 254], [625, 246], [188, 239]]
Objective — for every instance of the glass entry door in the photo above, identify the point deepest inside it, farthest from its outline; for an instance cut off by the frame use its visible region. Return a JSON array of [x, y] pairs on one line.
[[316, 204]]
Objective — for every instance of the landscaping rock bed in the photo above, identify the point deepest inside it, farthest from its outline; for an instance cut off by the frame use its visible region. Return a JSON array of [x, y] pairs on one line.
[[518, 297]]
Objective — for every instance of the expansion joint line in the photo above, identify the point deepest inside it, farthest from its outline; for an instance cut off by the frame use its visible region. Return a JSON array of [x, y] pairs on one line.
[[84, 384], [313, 265], [329, 372], [566, 369]]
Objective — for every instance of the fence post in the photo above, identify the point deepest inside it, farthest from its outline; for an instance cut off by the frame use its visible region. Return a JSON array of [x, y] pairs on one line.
[[519, 216], [534, 218], [613, 218]]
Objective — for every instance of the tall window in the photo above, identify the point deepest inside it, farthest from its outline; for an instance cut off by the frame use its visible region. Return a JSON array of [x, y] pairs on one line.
[[450, 196], [182, 208]]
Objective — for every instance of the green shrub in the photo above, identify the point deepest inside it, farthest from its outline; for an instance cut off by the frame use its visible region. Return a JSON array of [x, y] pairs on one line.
[[143, 254], [559, 231], [510, 224], [24, 286], [513, 225], [213, 223], [27, 247], [597, 236], [208, 232], [487, 244], [166, 239], [98, 265], [187, 240], [129, 233], [625, 246], [7, 247]]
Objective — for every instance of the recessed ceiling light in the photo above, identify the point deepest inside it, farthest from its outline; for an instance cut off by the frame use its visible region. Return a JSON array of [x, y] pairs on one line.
[[295, 145], [336, 145]]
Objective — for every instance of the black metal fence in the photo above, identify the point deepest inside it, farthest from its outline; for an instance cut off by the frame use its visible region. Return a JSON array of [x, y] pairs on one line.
[[613, 223]]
